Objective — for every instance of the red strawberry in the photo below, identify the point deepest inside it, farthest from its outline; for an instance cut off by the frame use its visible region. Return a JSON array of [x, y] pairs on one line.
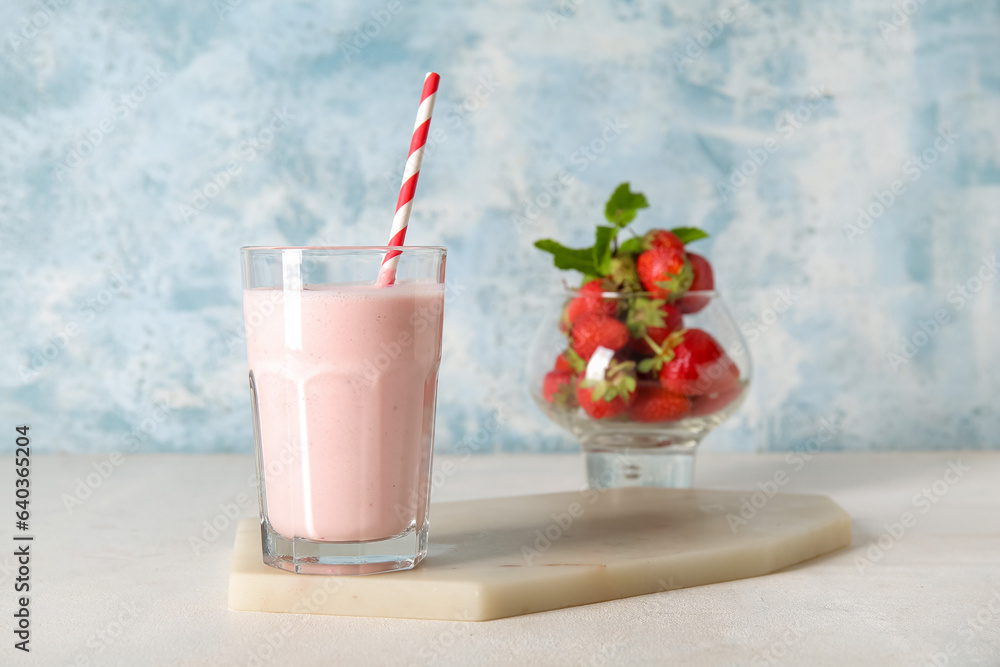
[[593, 330], [703, 281], [664, 271], [656, 404], [589, 300], [652, 318], [570, 361], [608, 397], [557, 387], [661, 238], [712, 403], [562, 364], [699, 366]]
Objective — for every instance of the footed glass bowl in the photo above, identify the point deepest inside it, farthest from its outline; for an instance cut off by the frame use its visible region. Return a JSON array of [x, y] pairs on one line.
[[641, 408]]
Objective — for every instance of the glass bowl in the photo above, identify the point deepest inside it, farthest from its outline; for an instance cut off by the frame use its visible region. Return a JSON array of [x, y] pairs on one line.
[[689, 376]]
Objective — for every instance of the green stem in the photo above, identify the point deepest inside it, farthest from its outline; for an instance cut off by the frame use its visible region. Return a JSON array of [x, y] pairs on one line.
[[656, 348]]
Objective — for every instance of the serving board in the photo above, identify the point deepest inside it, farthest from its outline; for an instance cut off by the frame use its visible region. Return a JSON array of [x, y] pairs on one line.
[[502, 557]]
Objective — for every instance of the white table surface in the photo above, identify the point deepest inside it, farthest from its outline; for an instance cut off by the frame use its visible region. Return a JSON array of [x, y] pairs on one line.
[[116, 581]]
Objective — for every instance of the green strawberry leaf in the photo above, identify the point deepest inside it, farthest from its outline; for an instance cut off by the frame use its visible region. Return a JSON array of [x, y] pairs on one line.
[[620, 380], [623, 274], [623, 205], [571, 259], [602, 248], [632, 246], [689, 234], [576, 362], [636, 328], [645, 313], [657, 316], [647, 365], [678, 283], [596, 261]]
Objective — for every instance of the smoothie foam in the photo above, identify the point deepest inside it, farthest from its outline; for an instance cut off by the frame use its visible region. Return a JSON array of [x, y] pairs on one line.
[[346, 381]]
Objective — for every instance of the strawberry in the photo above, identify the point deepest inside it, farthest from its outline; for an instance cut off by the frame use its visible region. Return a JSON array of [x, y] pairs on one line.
[[570, 361], [588, 300], [610, 396], [593, 330], [661, 238], [703, 280], [698, 365], [656, 404], [562, 364], [557, 387], [664, 272], [712, 403], [622, 274], [662, 353], [653, 318]]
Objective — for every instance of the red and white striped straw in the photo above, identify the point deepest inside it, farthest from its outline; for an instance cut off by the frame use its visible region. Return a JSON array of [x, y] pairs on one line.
[[387, 274]]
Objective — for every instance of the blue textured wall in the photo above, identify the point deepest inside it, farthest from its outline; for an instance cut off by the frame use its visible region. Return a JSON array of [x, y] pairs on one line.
[[120, 222]]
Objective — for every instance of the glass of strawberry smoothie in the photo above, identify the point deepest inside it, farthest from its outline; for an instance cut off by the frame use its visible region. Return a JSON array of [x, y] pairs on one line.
[[343, 384]]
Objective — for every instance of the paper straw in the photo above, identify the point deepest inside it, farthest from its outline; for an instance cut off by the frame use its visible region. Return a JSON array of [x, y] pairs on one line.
[[387, 274]]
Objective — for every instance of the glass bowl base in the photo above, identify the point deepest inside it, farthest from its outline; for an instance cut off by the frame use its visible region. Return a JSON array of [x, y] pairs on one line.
[[665, 467]]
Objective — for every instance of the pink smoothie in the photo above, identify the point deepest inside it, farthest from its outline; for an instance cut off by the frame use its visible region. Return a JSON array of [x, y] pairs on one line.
[[346, 380]]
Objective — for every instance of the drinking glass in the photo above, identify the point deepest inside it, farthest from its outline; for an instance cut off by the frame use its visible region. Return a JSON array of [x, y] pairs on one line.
[[343, 386]]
